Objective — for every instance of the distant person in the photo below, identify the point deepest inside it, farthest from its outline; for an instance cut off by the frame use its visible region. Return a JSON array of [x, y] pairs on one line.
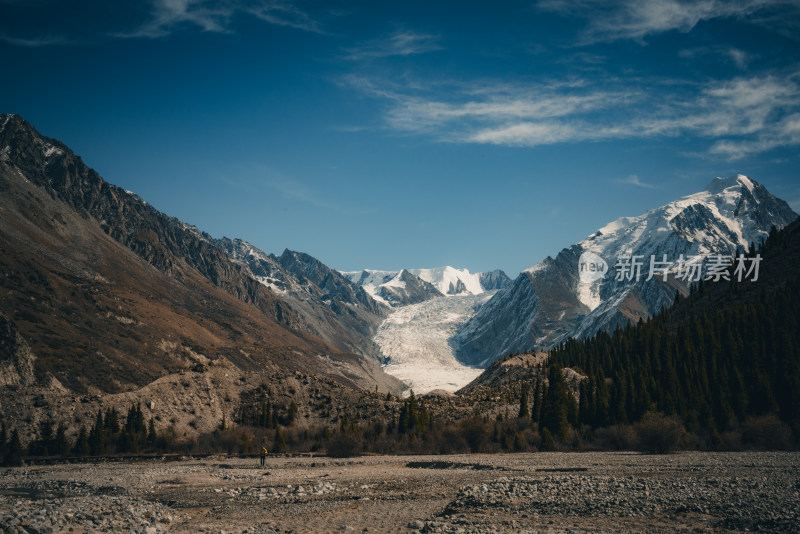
[[263, 455]]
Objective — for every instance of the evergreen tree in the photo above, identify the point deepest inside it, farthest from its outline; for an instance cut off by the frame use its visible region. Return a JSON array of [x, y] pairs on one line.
[[82, 447], [538, 398], [13, 456], [554, 410], [3, 440], [111, 422], [151, 431], [524, 411], [61, 443], [97, 436], [134, 424]]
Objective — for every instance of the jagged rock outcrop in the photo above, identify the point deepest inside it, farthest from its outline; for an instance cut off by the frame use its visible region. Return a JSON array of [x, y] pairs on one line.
[[496, 279], [328, 304], [16, 358]]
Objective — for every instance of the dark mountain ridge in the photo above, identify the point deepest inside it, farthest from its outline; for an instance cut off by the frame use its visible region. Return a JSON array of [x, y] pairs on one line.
[[330, 306], [112, 294]]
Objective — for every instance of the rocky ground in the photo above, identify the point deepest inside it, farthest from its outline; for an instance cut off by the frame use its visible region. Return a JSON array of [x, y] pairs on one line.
[[541, 492]]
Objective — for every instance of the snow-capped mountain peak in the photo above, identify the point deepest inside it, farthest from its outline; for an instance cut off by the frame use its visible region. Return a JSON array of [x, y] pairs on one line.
[[719, 184], [451, 281], [551, 302], [408, 286]]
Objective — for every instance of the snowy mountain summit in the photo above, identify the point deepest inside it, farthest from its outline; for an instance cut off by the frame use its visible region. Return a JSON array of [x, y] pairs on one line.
[[412, 286], [553, 301]]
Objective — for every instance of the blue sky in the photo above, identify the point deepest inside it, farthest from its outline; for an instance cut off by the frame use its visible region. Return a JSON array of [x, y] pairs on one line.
[[412, 134]]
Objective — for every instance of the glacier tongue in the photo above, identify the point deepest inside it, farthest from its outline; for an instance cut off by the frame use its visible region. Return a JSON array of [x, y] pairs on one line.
[[416, 341]]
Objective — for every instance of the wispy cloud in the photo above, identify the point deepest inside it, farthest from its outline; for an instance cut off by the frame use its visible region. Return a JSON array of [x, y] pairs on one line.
[[637, 19], [635, 181], [739, 58], [284, 13], [34, 42], [785, 133], [168, 16], [150, 20], [739, 117], [400, 43]]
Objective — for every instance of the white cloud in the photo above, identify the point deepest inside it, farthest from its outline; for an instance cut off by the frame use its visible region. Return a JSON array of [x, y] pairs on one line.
[[635, 181], [400, 43], [168, 16], [740, 58], [528, 134], [283, 13], [636, 19], [786, 132], [739, 117]]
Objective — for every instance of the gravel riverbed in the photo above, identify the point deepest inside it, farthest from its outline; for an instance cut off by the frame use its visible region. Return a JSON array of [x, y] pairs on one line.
[[536, 492]]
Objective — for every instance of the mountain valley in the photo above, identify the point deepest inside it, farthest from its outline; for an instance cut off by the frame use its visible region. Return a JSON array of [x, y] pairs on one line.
[[108, 302]]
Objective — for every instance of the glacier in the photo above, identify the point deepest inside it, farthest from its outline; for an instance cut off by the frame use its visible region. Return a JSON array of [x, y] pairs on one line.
[[416, 339]]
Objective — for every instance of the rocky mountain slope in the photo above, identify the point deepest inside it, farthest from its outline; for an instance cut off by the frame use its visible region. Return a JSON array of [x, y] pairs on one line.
[[103, 294], [329, 305], [549, 302]]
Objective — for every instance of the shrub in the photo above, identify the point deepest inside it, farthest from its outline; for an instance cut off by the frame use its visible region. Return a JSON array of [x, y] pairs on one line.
[[344, 445], [548, 442], [617, 437], [768, 433], [657, 433]]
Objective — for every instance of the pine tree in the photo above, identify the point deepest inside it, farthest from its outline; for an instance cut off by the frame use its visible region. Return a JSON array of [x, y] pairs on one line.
[[97, 436], [524, 411], [538, 398], [44, 445], [3, 440], [554, 410], [82, 447], [151, 431], [61, 443], [111, 422], [13, 456], [134, 424]]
